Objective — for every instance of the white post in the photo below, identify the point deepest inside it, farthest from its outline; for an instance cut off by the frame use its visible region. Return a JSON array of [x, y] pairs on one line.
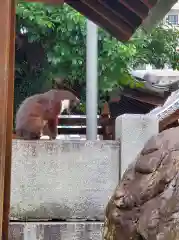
[[91, 80]]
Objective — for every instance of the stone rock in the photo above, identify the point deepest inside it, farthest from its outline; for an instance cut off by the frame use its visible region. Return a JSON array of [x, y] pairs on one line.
[[145, 204]]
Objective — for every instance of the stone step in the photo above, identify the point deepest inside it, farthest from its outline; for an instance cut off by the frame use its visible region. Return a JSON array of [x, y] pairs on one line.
[[55, 231]]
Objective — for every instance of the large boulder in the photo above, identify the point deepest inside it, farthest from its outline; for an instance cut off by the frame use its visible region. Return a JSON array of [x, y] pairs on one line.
[[145, 204]]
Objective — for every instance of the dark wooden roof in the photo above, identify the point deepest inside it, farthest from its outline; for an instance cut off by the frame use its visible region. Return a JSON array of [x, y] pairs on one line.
[[119, 17]]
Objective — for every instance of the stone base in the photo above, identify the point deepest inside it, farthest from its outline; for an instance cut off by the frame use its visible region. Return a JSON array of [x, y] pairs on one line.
[[55, 231]]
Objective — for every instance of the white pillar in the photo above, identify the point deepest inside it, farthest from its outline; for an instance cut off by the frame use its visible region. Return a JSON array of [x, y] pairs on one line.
[[91, 80]]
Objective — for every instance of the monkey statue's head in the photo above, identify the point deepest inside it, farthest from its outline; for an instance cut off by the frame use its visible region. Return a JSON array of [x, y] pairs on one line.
[[68, 101]]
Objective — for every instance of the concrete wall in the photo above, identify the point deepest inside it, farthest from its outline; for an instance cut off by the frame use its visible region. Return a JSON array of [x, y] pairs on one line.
[[62, 179]]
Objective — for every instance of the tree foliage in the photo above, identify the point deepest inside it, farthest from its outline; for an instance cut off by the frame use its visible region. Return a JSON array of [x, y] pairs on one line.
[[157, 48], [51, 41]]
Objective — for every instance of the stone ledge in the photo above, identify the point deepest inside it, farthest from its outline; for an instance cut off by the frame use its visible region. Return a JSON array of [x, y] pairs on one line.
[[60, 180], [55, 231]]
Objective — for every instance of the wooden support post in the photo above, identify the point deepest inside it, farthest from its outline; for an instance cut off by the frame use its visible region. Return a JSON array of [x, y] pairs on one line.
[[7, 43]]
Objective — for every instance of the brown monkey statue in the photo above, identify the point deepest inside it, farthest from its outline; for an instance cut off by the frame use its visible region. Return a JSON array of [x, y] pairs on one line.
[[42, 110]]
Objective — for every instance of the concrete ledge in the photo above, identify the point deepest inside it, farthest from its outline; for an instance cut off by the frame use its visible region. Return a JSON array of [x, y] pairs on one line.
[[55, 231], [62, 179]]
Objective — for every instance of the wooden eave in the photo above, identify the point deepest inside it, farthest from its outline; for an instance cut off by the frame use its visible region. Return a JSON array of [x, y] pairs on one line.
[[119, 17]]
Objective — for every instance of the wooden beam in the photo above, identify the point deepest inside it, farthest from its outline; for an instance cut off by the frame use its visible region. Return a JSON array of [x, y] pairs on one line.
[[7, 183], [7, 16]]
